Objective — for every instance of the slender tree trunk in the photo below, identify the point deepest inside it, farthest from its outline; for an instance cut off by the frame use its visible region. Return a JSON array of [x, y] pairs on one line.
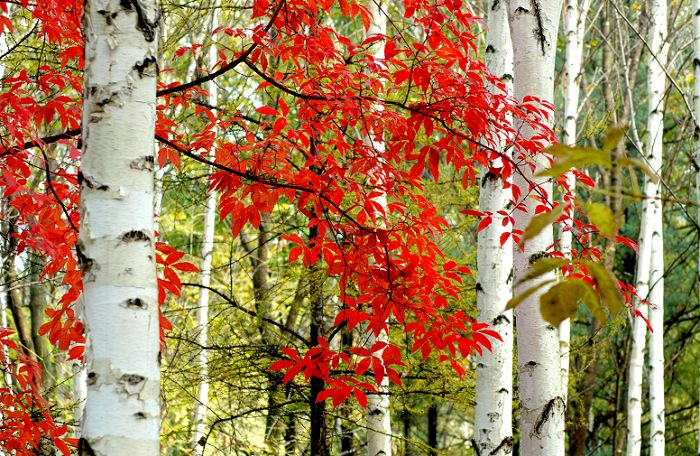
[[202, 404], [533, 26], [116, 242], [433, 428], [38, 296], [406, 421], [493, 416], [650, 260], [574, 29], [14, 297], [656, 89], [319, 440]]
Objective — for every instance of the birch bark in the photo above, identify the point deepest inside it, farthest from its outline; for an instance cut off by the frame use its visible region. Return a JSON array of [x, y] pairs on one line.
[[493, 416], [116, 242], [378, 405], [656, 87], [533, 27], [649, 278], [574, 28], [202, 404]]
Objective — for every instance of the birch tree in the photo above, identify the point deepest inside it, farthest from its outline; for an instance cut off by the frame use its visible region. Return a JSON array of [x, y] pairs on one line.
[[649, 274], [533, 27], [378, 405], [656, 83], [116, 244], [201, 406], [574, 29], [493, 431]]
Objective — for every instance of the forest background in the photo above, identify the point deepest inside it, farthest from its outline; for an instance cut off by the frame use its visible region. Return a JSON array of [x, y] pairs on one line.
[[389, 109]]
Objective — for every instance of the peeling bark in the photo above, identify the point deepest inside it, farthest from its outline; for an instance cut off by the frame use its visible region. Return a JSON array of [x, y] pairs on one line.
[[533, 26], [116, 244]]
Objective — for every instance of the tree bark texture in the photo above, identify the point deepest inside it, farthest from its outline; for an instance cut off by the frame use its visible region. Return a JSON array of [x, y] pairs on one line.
[[116, 242]]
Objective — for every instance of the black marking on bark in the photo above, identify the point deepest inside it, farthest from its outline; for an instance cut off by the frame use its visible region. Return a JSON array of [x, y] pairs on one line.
[[506, 444], [547, 413], [539, 30], [132, 379], [503, 390], [91, 378], [536, 256], [507, 77], [145, 66], [140, 415], [478, 287], [85, 262], [142, 164], [477, 451], [90, 184], [501, 319], [135, 235], [137, 303], [84, 448], [490, 49], [521, 10], [696, 62], [105, 101], [375, 412], [510, 276], [494, 5], [148, 28]]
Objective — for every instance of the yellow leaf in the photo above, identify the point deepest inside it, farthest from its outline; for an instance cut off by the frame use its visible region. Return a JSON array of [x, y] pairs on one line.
[[520, 297], [540, 222], [602, 217], [543, 266], [643, 167], [613, 137], [560, 302], [607, 286]]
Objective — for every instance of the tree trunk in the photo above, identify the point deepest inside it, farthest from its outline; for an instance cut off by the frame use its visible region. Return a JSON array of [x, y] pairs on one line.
[[656, 84], [696, 135], [650, 260], [116, 243], [14, 297], [38, 296], [433, 428], [319, 441], [533, 26], [202, 404], [574, 29], [493, 416]]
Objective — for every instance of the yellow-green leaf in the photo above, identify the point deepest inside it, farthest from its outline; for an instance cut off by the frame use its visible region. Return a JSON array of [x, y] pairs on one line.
[[613, 137], [607, 286], [520, 297], [602, 217], [543, 266], [560, 302], [643, 167], [540, 222]]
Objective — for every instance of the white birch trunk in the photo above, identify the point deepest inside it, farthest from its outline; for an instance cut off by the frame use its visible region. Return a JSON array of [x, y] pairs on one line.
[[493, 416], [574, 28], [533, 27], [79, 395], [378, 405], [649, 281], [200, 410], [696, 108], [116, 245], [656, 87]]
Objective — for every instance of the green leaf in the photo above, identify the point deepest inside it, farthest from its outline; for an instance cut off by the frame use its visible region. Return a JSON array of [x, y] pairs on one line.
[[520, 297], [540, 222], [602, 217], [607, 286], [613, 137], [543, 266], [574, 157], [560, 302], [643, 167]]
